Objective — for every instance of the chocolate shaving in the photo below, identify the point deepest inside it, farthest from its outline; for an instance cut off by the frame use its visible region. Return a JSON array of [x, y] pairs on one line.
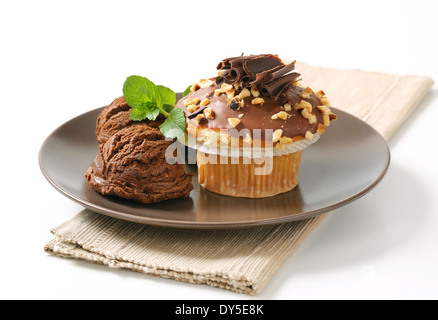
[[275, 87], [266, 71], [275, 73], [282, 91], [230, 62], [266, 76], [221, 78], [257, 64], [237, 62], [245, 81], [234, 74], [195, 113]]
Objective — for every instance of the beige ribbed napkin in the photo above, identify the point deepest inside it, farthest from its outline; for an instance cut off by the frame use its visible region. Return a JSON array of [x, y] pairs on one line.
[[239, 260]]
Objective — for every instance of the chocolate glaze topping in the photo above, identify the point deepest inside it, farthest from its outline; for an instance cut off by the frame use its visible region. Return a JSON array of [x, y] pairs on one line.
[[254, 117], [277, 85]]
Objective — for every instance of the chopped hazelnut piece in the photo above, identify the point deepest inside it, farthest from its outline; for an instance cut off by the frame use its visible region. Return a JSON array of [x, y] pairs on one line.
[[255, 92], [305, 94], [195, 87], [326, 119], [325, 102], [303, 105], [190, 101], [282, 115], [309, 116], [324, 109], [326, 114], [257, 101], [309, 135], [236, 86], [230, 93], [209, 113], [286, 140], [226, 87], [248, 139], [244, 93], [220, 72], [240, 116], [234, 122], [236, 103], [192, 108], [201, 119], [217, 92], [277, 135], [287, 107], [205, 102], [280, 146], [320, 130], [320, 94], [205, 83]]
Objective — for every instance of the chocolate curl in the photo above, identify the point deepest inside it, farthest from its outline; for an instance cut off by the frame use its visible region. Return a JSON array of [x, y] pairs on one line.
[[245, 81], [221, 78], [282, 91], [234, 75], [229, 63], [275, 87], [254, 65], [275, 73], [233, 70]]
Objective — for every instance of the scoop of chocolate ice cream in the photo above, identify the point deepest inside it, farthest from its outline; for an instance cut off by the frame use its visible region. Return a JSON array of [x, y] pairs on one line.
[[132, 165], [116, 117]]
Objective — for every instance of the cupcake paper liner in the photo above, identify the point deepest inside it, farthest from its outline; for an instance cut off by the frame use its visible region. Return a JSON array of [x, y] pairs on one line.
[[250, 178]]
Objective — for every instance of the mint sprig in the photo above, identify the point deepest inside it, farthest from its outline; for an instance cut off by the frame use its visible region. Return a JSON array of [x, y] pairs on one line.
[[148, 101], [175, 125], [187, 91]]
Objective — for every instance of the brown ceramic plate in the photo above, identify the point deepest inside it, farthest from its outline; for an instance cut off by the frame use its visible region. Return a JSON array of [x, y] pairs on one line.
[[347, 162]]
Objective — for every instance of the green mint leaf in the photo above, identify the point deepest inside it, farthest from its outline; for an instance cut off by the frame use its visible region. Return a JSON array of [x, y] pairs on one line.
[[152, 112], [137, 114], [187, 91], [175, 124], [148, 101], [167, 95], [140, 90], [168, 108], [146, 110]]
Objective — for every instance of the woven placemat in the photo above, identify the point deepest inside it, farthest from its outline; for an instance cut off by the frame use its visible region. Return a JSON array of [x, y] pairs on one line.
[[239, 260]]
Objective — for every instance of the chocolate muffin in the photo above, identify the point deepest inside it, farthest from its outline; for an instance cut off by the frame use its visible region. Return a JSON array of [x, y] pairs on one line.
[[132, 164], [250, 125], [116, 117]]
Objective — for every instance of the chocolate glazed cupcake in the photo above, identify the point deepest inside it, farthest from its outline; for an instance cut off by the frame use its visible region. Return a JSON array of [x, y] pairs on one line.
[[250, 124]]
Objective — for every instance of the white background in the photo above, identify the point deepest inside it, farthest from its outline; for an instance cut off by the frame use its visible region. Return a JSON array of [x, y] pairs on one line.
[[59, 59]]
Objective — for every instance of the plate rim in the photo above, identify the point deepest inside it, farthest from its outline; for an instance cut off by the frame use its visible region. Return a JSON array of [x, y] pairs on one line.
[[210, 225]]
